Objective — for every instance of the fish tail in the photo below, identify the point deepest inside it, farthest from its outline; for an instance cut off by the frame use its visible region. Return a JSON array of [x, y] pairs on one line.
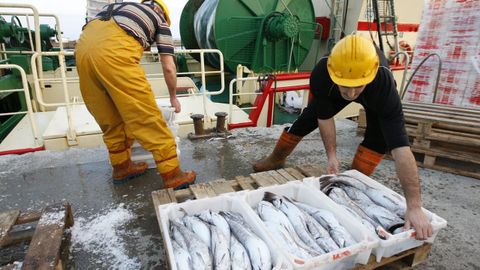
[[270, 197], [394, 227]]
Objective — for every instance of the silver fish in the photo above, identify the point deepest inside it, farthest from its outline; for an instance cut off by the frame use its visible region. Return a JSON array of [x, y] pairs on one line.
[[182, 257], [177, 236], [385, 217], [220, 249], [258, 251], [321, 236], [239, 255], [390, 201], [296, 217], [268, 212], [199, 227], [286, 240], [216, 219], [339, 196], [198, 250], [338, 233], [365, 222], [329, 181]]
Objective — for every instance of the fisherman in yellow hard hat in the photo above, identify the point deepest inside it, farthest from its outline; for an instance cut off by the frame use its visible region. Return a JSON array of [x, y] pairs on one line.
[[117, 93], [357, 71]]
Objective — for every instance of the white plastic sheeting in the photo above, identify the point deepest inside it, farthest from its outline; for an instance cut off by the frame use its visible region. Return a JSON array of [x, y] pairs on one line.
[[450, 29]]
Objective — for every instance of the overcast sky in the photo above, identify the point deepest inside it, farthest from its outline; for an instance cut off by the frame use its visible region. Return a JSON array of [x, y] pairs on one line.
[[72, 13]]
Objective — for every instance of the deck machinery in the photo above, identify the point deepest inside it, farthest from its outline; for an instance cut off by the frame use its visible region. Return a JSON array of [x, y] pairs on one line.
[[263, 35], [16, 39], [258, 39]]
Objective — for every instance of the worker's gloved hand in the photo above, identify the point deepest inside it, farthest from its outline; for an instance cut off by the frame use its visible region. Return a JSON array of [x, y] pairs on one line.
[[175, 104], [414, 217], [332, 166]]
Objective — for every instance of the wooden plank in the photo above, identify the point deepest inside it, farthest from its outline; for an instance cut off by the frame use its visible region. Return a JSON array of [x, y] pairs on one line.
[[163, 196], [440, 107], [298, 175], [414, 115], [449, 154], [16, 237], [412, 131], [29, 217], [455, 136], [202, 190], [424, 128], [429, 161], [183, 194], [285, 174], [263, 179], [245, 182], [420, 143], [443, 115], [221, 186], [7, 220], [362, 118], [311, 170], [445, 121], [421, 254], [472, 174], [278, 177], [44, 249], [9, 267]]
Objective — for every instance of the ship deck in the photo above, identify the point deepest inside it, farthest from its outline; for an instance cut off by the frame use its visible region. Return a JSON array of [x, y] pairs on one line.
[[116, 226]]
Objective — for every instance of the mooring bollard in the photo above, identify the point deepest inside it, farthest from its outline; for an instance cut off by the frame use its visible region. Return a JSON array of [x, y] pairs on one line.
[[221, 116], [198, 123]]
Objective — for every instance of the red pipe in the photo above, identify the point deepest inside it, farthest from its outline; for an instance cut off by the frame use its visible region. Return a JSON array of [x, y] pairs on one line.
[[270, 108], [268, 92], [21, 151], [241, 125], [259, 102], [401, 27], [292, 88], [292, 76]]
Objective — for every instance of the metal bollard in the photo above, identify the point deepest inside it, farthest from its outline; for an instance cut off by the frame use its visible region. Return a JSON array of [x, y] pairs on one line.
[[198, 123], [221, 121]]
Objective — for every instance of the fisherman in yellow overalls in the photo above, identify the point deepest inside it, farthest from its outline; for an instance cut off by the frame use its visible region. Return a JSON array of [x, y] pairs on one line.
[[117, 93]]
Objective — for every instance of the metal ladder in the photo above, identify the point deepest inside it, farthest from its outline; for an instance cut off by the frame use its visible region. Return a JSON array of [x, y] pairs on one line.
[[384, 11], [337, 18]]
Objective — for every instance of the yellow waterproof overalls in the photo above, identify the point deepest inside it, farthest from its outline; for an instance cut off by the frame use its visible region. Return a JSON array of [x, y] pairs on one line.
[[117, 93]]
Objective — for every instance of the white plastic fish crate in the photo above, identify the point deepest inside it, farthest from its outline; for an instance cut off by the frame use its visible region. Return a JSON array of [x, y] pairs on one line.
[[344, 258], [167, 212], [397, 242]]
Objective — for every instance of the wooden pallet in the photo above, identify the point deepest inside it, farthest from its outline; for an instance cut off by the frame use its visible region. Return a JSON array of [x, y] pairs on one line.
[[442, 138], [45, 235], [404, 260]]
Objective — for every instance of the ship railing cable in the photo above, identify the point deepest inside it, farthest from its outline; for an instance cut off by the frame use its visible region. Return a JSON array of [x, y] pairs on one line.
[[437, 79], [405, 69]]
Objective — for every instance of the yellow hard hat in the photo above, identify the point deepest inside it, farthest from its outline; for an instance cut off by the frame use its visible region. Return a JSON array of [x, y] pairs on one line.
[[164, 7], [353, 62]]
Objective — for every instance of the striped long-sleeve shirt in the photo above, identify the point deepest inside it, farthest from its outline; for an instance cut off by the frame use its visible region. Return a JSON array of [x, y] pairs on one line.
[[144, 24]]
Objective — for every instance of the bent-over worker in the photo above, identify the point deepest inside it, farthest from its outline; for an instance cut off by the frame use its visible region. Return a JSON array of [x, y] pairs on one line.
[[357, 71], [116, 91]]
